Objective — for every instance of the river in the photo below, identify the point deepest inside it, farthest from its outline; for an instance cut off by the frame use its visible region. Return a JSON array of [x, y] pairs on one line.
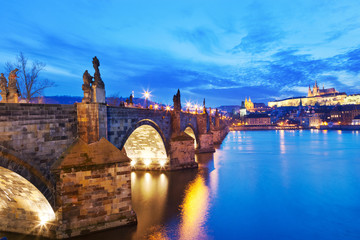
[[258, 185]]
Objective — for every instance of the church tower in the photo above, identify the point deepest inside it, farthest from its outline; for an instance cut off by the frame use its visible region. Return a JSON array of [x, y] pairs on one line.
[[316, 89], [309, 92]]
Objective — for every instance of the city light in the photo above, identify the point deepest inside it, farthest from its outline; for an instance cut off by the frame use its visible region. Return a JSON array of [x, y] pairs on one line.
[[167, 108], [132, 163], [147, 162], [156, 106]]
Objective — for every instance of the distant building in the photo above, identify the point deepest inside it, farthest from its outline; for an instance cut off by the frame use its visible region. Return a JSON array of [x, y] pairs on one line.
[[344, 114], [242, 110], [319, 92], [323, 97], [255, 107], [356, 120], [248, 104], [257, 119]]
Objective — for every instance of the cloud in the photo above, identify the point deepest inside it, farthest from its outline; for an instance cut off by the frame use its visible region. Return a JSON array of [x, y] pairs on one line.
[[204, 39]]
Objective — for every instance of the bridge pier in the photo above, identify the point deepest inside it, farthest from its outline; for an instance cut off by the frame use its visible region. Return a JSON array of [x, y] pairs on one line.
[[206, 141], [93, 190], [182, 151]]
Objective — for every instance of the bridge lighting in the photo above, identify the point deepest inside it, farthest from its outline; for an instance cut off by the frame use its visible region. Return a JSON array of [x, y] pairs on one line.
[[167, 108], [132, 163], [188, 105], [156, 106], [147, 162], [162, 163], [146, 95]]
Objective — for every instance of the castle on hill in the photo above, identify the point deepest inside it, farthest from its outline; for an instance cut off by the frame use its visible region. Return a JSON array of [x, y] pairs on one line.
[[317, 96], [319, 92]]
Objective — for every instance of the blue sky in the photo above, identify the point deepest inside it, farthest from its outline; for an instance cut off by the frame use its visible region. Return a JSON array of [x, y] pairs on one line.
[[221, 50]]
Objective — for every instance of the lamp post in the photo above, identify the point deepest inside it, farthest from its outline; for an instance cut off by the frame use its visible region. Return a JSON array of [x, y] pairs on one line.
[[188, 105], [146, 95]]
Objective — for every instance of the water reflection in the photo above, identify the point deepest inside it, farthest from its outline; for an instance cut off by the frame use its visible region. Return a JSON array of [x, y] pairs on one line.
[[194, 210], [282, 142], [293, 185]]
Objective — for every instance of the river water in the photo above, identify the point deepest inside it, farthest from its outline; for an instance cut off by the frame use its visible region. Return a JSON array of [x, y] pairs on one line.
[[258, 185]]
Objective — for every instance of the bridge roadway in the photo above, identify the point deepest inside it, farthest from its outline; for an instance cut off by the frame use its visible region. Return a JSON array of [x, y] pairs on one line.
[[65, 169]]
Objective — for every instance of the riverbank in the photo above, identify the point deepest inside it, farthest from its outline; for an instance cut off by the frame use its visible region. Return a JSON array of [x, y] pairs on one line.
[[274, 127], [267, 127]]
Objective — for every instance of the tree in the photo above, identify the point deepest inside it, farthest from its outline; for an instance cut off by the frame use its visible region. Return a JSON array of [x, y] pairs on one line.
[[29, 83]]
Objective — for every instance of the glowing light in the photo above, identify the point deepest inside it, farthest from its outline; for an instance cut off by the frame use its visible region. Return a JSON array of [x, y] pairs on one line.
[[167, 108], [156, 106], [196, 106], [162, 163], [146, 94], [147, 162], [132, 163], [188, 104]]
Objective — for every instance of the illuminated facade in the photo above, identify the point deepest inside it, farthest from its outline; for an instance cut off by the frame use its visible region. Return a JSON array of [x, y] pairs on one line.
[[248, 104], [323, 97], [319, 92]]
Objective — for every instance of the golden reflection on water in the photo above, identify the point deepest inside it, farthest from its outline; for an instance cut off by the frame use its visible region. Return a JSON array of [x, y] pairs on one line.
[[282, 142], [194, 210]]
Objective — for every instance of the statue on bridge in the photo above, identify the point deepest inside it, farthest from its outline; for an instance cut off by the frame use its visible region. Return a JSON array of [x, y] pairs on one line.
[[12, 87], [94, 90], [86, 87], [98, 82], [177, 102], [3, 88]]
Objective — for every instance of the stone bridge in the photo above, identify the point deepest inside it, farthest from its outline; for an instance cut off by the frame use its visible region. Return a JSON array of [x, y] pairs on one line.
[[65, 169]]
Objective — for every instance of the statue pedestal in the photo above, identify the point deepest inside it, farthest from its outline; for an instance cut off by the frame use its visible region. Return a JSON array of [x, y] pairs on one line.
[[98, 94], [87, 96], [3, 98], [13, 98]]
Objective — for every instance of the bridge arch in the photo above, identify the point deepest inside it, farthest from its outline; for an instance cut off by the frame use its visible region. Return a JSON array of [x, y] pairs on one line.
[[145, 145], [189, 129], [23, 208], [10, 161]]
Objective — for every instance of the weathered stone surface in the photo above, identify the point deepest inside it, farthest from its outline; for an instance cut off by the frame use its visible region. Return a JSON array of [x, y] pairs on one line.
[[92, 121], [93, 189], [206, 143], [182, 152], [38, 133]]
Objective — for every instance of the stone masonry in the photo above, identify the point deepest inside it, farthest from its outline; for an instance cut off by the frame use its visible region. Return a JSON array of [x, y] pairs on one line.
[[75, 156]]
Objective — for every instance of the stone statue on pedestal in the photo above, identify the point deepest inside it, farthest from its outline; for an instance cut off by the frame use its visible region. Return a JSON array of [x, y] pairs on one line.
[[86, 87], [98, 86], [13, 89], [177, 101], [131, 102], [98, 82], [3, 88]]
